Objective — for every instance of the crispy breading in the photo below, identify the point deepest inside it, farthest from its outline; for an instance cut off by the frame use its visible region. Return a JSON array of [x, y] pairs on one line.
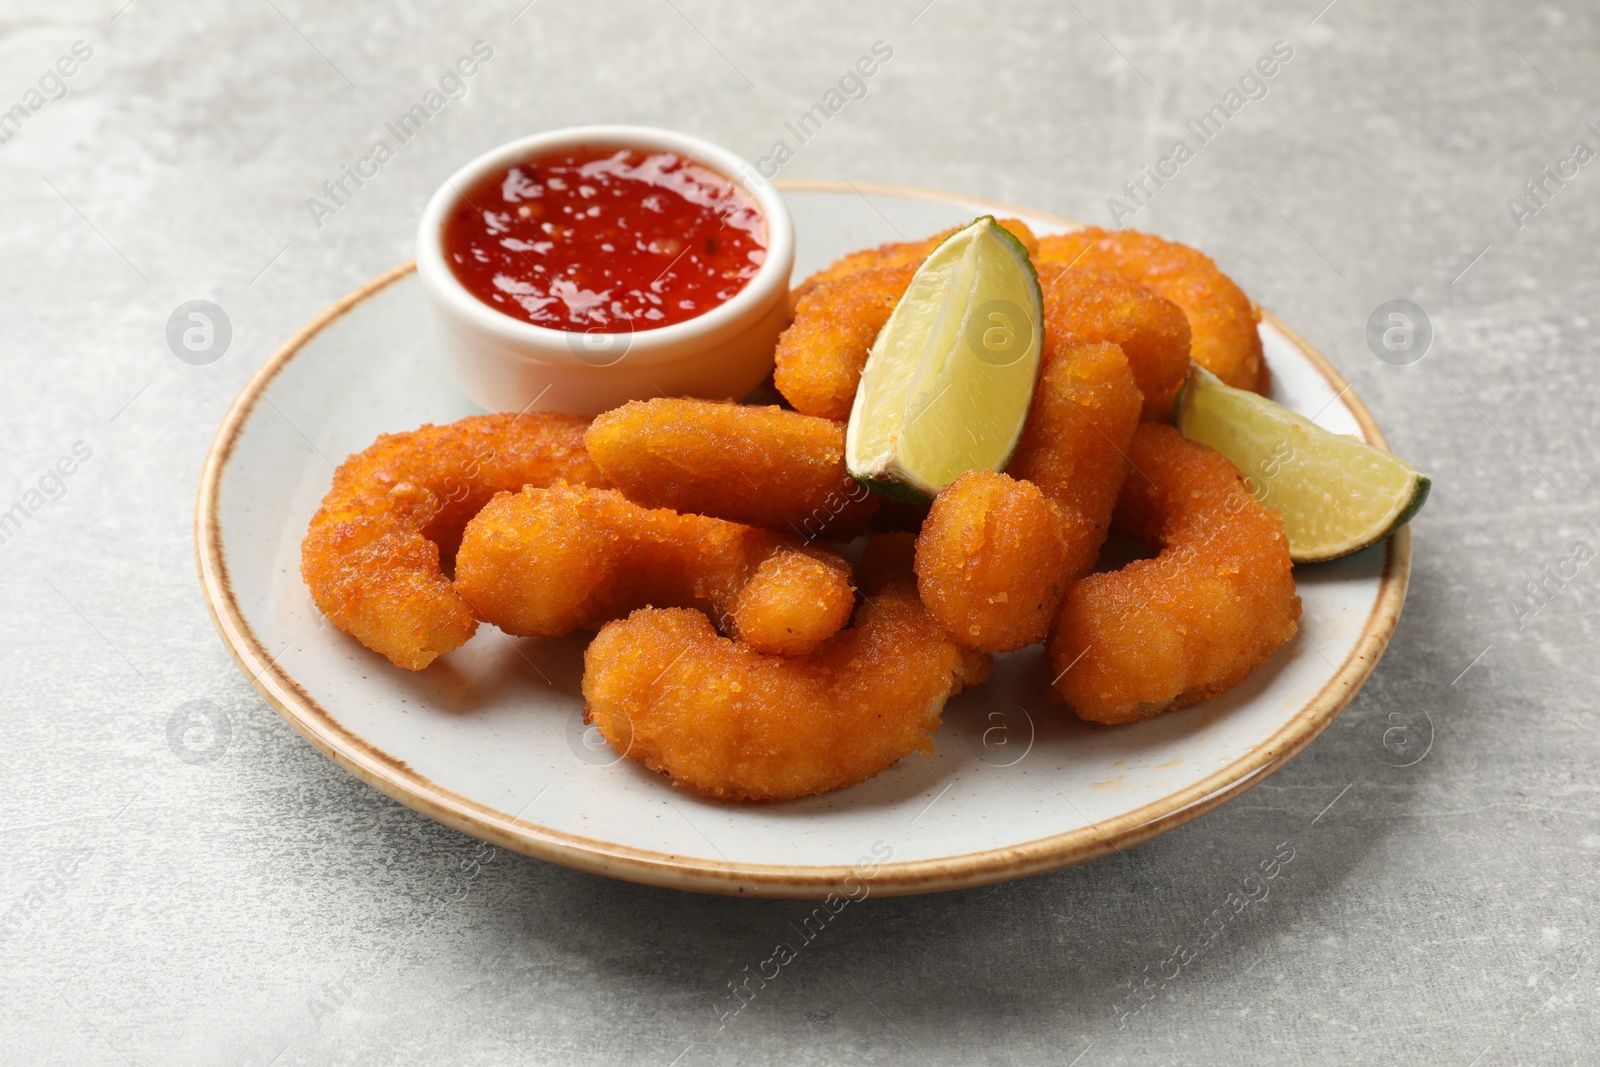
[[1192, 622], [372, 555], [1222, 320], [1075, 442], [762, 466], [1082, 306], [547, 561], [990, 561], [723, 719]]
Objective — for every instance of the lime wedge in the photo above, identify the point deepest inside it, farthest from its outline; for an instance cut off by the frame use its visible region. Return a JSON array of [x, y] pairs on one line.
[[1337, 495], [948, 382]]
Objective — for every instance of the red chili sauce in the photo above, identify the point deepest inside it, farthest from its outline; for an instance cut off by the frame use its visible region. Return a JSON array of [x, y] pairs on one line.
[[604, 239]]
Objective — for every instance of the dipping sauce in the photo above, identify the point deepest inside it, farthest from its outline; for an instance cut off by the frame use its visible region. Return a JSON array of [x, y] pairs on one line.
[[604, 239]]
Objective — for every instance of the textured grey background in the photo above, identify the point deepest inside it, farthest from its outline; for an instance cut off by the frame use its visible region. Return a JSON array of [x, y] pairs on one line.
[[265, 906]]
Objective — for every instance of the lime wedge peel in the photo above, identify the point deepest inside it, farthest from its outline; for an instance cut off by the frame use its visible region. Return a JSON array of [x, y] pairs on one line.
[[948, 383], [1337, 494]]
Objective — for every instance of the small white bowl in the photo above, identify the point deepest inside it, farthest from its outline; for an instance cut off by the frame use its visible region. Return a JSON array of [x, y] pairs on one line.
[[505, 364]]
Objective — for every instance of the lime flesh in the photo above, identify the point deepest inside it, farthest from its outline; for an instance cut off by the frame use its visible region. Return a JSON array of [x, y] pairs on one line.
[[1337, 494], [947, 385]]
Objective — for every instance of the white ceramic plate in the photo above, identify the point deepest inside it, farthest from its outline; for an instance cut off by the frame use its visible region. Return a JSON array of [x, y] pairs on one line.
[[490, 739]]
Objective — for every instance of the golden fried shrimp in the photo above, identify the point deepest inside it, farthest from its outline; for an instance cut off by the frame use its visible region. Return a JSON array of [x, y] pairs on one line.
[[725, 720], [837, 315], [1222, 320], [1074, 446], [371, 556], [1082, 306], [1187, 625], [761, 466], [901, 253], [998, 551], [545, 562], [793, 602], [990, 560], [819, 358]]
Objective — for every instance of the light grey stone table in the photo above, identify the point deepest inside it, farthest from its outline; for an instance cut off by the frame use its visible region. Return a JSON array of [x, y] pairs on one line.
[[267, 907]]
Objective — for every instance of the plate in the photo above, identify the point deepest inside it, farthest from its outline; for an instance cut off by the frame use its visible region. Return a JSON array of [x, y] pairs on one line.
[[490, 739]]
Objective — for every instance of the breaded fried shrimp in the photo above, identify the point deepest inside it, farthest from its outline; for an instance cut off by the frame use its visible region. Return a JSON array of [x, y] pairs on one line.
[[837, 315], [371, 555], [1194, 621], [545, 562], [1082, 306], [793, 603], [820, 356], [762, 466], [1222, 320], [721, 718], [1074, 446], [990, 560]]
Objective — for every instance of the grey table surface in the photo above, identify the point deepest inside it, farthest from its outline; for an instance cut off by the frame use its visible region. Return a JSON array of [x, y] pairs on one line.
[[267, 907]]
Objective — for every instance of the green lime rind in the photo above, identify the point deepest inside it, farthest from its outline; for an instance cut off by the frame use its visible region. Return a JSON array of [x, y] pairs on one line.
[[1020, 250], [898, 491], [1424, 487]]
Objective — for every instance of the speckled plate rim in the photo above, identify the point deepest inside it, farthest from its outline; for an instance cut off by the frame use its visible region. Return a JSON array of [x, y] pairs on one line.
[[395, 779]]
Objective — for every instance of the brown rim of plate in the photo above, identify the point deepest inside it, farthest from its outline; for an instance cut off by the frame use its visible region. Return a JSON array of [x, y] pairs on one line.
[[400, 782]]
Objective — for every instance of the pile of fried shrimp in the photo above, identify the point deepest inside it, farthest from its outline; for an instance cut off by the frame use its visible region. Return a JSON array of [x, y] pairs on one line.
[[738, 650]]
